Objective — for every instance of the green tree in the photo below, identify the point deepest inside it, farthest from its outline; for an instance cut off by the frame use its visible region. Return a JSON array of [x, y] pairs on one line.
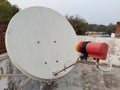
[[102, 28], [97, 28], [111, 28], [80, 25], [7, 11], [93, 27]]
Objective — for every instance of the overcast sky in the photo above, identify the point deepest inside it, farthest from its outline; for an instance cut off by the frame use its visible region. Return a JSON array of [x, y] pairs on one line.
[[93, 11]]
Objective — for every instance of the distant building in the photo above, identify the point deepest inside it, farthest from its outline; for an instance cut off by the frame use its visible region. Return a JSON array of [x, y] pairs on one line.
[[94, 33], [112, 35], [117, 33], [97, 34], [3, 27]]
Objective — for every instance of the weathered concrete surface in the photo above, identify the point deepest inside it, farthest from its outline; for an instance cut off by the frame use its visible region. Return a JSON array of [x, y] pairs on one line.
[[84, 76], [14, 82], [3, 69], [87, 77]]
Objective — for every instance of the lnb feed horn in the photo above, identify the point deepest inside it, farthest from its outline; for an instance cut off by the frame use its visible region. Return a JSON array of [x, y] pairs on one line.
[[97, 50]]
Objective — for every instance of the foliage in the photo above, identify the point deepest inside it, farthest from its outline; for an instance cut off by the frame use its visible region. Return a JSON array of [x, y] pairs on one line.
[[102, 28], [111, 28], [80, 25], [7, 11]]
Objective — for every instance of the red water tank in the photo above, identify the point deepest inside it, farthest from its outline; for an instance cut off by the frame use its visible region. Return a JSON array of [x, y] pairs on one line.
[[93, 49]]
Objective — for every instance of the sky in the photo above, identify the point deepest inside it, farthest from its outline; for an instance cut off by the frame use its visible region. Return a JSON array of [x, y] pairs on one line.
[[93, 11]]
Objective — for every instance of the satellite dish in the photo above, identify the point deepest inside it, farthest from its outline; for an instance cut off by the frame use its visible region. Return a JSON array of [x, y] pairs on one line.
[[39, 41]]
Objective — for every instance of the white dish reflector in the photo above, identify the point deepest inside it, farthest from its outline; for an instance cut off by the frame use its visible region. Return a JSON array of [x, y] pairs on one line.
[[40, 41]]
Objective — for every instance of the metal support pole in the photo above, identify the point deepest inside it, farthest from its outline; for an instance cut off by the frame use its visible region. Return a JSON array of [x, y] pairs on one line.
[[9, 75], [25, 83], [66, 67]]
